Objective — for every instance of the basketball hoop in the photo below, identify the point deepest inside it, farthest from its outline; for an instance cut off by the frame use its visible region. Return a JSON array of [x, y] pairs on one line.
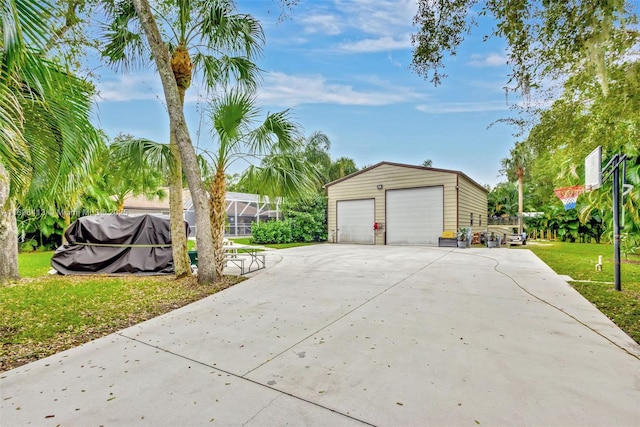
[[569, 195]]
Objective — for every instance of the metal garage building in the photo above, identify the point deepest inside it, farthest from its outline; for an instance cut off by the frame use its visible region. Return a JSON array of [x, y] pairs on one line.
[[398, 204]]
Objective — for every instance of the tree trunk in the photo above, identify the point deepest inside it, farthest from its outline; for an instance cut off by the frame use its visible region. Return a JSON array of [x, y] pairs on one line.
[[8, 231], [67, 222], [181, 262], [218, 209], [179, 130]]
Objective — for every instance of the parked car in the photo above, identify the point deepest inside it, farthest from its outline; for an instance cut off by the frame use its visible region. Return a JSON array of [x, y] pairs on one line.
[[517, 238]]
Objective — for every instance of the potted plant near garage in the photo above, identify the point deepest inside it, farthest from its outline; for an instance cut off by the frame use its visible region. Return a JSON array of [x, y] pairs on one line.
[[464, 237], [493, 241]]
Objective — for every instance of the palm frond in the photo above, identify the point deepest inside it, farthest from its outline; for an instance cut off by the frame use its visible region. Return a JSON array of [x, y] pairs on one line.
[[225, 69], [140, 152], [231, 115], [221, 29], [281, 175], [21, 28], [122, 43], [278, 132]]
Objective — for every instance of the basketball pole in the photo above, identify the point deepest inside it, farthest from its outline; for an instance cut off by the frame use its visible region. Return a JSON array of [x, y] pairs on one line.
[[616, 225], [614, 163]]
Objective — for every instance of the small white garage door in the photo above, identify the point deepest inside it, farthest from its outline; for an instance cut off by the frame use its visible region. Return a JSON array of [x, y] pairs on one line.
[[355, 221], [415, 216]]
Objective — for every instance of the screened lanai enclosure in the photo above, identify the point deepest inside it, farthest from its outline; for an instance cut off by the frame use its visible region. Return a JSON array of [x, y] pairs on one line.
[[242, 210]]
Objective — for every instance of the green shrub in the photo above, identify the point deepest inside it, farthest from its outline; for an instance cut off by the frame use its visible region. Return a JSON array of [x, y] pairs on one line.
[[272, 232], [28, 245], [303, 222]]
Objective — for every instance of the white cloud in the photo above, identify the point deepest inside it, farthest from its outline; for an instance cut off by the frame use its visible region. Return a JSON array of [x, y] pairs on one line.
[[322, 23], [381, 20], [287, 90], [487, 60], [463, 107], [130, 87], [384, 43], [383, 17], [140, 87]]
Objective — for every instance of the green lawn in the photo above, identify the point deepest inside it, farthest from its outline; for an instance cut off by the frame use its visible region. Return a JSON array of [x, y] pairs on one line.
[[34, 264], [44, 314], [247, 241], [578, 261]]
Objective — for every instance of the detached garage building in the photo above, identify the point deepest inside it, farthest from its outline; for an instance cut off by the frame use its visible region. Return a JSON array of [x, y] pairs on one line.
[[398, 204]]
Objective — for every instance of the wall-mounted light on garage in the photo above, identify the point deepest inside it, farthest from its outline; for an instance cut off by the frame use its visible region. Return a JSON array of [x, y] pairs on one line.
[[380, 187]]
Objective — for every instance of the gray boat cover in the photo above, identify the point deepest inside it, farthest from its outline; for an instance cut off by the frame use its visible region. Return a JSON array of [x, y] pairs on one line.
[[117, 244]]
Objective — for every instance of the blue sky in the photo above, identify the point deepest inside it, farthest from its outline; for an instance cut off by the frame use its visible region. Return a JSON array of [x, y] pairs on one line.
[[342, 67]]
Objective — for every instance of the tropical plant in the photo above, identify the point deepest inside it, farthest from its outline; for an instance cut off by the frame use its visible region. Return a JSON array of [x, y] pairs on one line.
[[205, 36], [342, 167], [515, 166], [316, 152], [282, 171], [272, 232], [46, 137], [503, 200], [309, 217], [302, 221], [135, 167]]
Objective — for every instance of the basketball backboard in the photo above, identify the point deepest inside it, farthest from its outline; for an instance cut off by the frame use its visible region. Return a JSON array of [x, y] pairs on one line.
[[593, 170]]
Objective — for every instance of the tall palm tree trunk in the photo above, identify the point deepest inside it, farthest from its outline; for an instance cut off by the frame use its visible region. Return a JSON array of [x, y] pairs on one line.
[[8, 231], [180, 65], [176, 217], [218, 212], [179, 131]]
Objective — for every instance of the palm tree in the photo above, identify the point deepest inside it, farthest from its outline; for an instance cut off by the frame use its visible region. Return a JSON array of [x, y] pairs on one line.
[[316, 152], [282, 171], [214, 33], [514, 166], [149, 160], [342, 167], [45, 132]]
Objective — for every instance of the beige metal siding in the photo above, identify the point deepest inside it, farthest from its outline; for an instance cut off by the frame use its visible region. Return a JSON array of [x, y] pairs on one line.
[[472, 200]]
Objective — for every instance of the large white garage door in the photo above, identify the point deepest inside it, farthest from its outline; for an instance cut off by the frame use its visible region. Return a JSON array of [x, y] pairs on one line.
[[415, 216], [355, 221]]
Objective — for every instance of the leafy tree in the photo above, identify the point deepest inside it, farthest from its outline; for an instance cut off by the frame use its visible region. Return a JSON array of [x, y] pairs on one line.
[[282, 171], [46, 137], [515, 165], [135, 167], [309, 218], [316, 152], [204, 35], [303, 221], [342, 167], [545, 39], [427, 163], [503, 200]]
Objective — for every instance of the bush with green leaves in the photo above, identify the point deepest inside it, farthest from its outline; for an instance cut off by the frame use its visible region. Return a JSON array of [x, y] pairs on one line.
[[302, 222], [272, 232], [39, 229]]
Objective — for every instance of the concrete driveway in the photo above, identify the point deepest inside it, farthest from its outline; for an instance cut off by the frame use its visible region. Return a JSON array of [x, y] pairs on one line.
[[332, 335]]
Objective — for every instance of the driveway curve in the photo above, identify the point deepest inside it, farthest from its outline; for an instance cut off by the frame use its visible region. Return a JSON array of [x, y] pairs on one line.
[[332, 335]]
